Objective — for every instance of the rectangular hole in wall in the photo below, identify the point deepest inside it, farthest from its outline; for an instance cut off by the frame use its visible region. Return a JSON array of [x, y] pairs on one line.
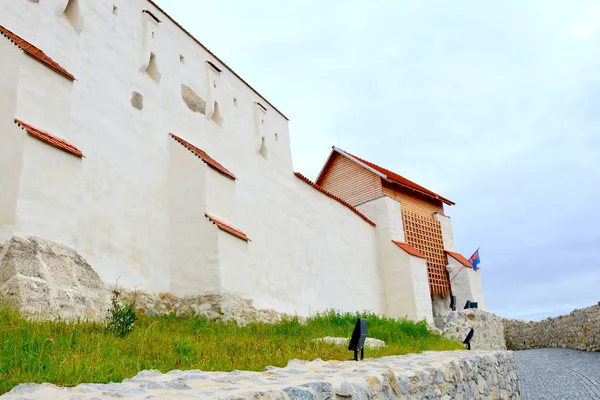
[[181, 59], [115, 10]]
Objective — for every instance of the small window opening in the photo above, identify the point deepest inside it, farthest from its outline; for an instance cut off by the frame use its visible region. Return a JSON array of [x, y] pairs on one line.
[[262, 121], [115, 10], [152, 34], [152, 69], [235, 101], [263, 148], [276, 137], [181, 59], [215, 84], [216, 116]]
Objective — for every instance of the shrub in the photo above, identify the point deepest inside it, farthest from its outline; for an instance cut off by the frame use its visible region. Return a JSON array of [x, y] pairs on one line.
[[121, 318]]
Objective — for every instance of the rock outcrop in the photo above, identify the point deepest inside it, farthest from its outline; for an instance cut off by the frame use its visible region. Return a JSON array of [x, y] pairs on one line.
[[578, 330], [488, 328], [223, 306], [49, 280]]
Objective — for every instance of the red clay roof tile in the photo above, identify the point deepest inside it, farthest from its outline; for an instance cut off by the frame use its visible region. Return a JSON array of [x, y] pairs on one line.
[[36, 53], [460, 258], [333, 196], [204, 157], [409, 249], [50, 139], [228, 228], [400, 180]]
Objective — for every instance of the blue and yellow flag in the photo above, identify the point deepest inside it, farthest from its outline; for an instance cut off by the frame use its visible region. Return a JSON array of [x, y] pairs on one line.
[[474, 260]]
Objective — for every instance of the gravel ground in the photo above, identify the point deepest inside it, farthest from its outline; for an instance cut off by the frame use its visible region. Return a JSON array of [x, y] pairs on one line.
[[558, 374]]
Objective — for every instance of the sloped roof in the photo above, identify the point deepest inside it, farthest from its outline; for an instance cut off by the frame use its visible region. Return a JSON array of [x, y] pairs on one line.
[[409, 249], [211, 162], [384, 173], [460, 258], [333, 196], [228, 228], [34, 52], [50, 139]]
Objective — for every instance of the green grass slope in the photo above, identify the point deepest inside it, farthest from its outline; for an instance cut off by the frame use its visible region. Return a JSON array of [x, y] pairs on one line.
[[67, 354]]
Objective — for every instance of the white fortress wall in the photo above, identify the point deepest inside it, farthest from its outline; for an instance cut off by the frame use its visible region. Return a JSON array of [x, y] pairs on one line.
[[308, 253], [12, 139], [50, 185], [309, 250], [404, 276]]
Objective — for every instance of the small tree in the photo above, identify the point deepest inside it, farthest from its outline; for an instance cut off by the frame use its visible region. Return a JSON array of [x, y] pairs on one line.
[[121, 318]]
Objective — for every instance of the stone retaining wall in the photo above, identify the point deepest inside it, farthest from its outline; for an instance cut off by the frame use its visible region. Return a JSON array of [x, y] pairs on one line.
[[488, 328], [447, 375], [578, 330]]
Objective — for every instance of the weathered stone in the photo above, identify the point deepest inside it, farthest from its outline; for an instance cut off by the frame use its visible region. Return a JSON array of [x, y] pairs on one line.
[[370, 343], [415, 376], [192, 100], [137, 100], [49, 280], [488, 328], [578, 330], [223, 307]]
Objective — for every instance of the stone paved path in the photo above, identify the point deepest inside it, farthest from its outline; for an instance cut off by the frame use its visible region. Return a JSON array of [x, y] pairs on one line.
[[558, 374]]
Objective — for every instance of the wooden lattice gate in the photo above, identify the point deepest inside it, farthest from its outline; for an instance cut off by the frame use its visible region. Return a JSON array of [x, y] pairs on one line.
[[425, 234]]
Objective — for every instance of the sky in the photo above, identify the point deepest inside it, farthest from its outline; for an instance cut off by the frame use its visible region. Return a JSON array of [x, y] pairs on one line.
[[491, 104]]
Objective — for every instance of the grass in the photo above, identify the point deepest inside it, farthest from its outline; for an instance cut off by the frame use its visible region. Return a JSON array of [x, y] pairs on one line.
[[67, 354]]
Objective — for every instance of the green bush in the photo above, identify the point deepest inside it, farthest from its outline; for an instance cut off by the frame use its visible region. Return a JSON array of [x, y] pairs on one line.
[[121, 318]]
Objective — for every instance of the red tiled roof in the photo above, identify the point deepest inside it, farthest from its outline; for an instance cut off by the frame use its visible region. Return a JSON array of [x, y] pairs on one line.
[[460, 258], [400, 180], [34, 52], [204, 157], [50, 139], [333, 196], [409, 249], [228, 228], [216, 58]]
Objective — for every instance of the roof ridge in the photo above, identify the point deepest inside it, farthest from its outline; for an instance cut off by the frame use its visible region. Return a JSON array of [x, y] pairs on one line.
[[333, 196], [409, 248], [35, 52], [208, 160], [397, 178], [460, 258], [227, 228], [50, 139]]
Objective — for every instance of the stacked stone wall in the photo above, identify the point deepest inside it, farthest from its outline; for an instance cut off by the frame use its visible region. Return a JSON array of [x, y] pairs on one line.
[[578, 330], [488, 328], [460, 375]]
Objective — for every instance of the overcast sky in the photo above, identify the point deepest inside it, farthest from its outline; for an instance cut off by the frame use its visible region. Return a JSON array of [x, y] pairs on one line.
[[491, 104]]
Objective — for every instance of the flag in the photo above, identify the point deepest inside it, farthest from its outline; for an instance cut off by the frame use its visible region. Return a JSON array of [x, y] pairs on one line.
[[474, 260]]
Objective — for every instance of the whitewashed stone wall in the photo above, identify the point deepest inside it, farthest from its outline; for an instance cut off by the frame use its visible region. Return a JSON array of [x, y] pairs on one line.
[[405, 285], [458, 375], [578, 330], [119, 206], [466, 284]]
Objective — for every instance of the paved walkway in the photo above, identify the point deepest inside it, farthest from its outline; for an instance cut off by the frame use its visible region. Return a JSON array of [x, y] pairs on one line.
[[558, 374]]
